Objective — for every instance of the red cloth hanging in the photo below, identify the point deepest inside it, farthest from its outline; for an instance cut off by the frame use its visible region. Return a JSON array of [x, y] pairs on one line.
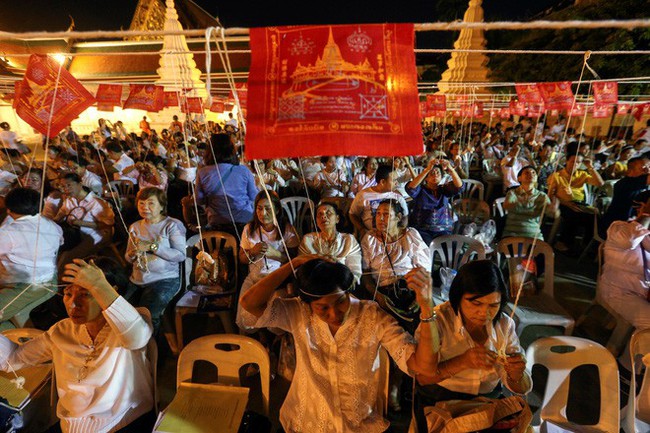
[[605, 92], [39, 98], [333, 90], [556, 96], [108, 96], [146, 97]]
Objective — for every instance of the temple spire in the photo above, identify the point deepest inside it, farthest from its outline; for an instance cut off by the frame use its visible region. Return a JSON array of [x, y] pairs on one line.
[[466, 67], [178, 71]]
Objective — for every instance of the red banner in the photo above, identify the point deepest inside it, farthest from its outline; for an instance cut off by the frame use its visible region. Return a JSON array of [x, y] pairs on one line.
[[229, 105], [605, 92], [639, 110], [423, 110], [49, 94], [528, 93], [436, 103], [145, 97], [109, 95], [105, 107], [623, 109], [170, 99], [17, 85], [504, 113], [556, 96], [602, 111], [333, 90], [242, 93], [518, 108], [536, 110], [192, 105], [578, 110], [217, 106]]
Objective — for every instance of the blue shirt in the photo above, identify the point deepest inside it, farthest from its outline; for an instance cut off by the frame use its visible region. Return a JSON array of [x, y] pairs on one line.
[[430, 211], [239, 187]]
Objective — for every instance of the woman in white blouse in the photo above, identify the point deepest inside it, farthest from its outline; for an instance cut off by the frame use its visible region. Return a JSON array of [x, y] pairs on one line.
[[103, 378], [366, 178], [263, 245], [329, 243], [479, 348], [337, 339], [331, 180], [389, 252]]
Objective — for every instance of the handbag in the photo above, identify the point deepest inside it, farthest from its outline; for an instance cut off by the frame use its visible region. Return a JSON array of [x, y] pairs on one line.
[[71, 233], [482, 414], [400, 300]]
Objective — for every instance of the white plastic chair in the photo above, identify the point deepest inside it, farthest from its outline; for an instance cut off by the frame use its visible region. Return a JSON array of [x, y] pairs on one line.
[[637, 412], [540, 309], [498, 209], [189, 302], [297, 212], [456, 250], [418, 169], [562, 354], [243, 350], [473, 189], [470, 210], [596, 238]]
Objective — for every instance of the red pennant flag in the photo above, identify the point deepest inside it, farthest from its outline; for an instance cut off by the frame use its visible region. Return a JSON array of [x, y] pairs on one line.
[[518, 108], [170, 99], [109, 95], [192, 105], [17, 85], [145, 97], [441, 113], [602, 111], [528, 93], [229, 105], [638, 111], [504, 113], [556, 96], [456, 113], [477, 110], [536, 110], [423, 110], [436, 103], [217, 106], [623, 109], [578, 110], [605, 92], [40, 98], [242, 93], [646, 109], [333, 90]]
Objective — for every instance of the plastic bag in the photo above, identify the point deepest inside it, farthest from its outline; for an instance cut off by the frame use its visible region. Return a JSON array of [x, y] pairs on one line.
[[487, 233], [446, 277], [470, 230]]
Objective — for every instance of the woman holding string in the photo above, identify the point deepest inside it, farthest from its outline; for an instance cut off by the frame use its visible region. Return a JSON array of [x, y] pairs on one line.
[[263, 244], [337, 339]]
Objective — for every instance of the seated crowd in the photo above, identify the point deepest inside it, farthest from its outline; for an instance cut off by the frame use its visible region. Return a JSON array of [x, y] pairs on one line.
[[138, 198]]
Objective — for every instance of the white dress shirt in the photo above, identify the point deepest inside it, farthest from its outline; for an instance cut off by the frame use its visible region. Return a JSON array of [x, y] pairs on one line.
[[344, 249], [95, 210], [103, 385], [367, 201], [18, 246], [335, 385]]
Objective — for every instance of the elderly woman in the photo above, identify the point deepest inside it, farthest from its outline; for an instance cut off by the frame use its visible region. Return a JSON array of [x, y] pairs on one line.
[[156, 247], [337, 339], [389, 252], [103, 378], [524, 205], [431, 215], [479, 348], [329, 243]]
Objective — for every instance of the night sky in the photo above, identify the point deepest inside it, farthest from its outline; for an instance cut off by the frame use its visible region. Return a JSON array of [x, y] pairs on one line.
[[52, 15]]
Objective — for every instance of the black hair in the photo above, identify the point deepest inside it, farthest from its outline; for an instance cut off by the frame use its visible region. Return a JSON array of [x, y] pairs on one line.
[[281, 217], [324, 159], [114, 272], [318, 278], [222, 150], [23, 201], [525, 167], [551, 143], [71, 176], [480, 278], [383, 171], [113, 146]]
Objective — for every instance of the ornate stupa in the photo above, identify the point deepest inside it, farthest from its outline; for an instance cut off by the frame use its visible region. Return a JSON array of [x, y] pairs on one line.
[[464, 67], [178, 69]]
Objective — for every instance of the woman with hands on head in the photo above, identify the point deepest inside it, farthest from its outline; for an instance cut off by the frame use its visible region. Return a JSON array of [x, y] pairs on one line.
[[337, 339], [479, 348], [95, 352]]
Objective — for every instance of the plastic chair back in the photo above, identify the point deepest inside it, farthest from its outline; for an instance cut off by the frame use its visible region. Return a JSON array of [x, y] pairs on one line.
[[456, 250], [212, 241], [520, 247], [562, 354], [124, 188], [473, 189], [418, 169], [299, 210], [228, 362], [470, 210], [497, 207], [637, 413]]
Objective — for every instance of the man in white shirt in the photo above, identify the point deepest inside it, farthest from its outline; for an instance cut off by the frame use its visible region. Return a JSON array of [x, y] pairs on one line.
[[88, 179], [510, 166], [232, 121], [123, 165], [364, 205], [28, 247]]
